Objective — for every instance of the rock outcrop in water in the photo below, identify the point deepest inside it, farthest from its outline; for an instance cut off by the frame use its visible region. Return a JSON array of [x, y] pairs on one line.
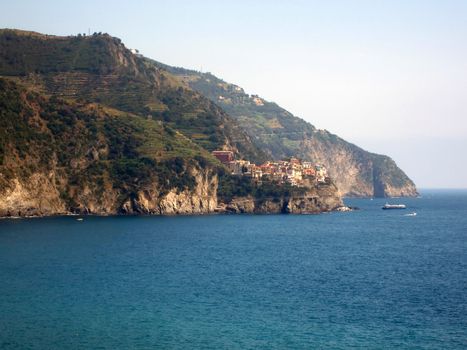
[[322, 198]]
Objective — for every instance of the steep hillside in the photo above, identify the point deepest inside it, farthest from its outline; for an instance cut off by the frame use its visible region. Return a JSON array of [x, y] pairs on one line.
[[65, 157], [280, 134], [100, 69]]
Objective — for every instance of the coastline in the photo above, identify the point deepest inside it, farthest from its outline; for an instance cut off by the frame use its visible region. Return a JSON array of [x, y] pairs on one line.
[[340, 209]]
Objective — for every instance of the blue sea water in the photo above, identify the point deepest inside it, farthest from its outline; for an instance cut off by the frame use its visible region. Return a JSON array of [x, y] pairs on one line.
[[366, 279]]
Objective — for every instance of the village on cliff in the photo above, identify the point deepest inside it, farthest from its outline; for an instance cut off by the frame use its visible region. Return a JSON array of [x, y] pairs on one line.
[[294, 171]]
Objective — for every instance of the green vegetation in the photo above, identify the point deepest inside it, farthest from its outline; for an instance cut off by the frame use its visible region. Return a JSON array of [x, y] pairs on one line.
[[100, 69], [27, 52]]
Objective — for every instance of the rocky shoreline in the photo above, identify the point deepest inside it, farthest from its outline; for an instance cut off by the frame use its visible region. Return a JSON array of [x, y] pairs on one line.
[[20, 202], [218, 211]]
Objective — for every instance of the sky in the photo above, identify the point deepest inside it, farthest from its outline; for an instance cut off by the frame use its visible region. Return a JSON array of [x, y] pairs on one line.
[[387, 75]]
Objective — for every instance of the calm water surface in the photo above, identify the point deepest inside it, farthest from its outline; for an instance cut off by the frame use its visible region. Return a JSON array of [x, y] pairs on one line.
[[366, 279]]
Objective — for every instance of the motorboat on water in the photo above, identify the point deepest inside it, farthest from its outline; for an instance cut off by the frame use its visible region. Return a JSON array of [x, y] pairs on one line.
[[394, 206]]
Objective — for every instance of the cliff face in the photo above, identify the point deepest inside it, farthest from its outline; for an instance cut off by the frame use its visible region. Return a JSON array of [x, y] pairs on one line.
[[36, 195], [358, 173], [201, 200], [39, 195], [355, 171], [322, 198]]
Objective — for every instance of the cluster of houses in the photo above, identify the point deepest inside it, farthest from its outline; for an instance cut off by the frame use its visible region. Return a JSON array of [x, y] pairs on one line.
[[293, 171]]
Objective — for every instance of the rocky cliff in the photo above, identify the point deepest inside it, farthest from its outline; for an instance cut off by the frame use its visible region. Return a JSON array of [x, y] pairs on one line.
[[322, 198], [41, 194], [202, 199], [357, 173]]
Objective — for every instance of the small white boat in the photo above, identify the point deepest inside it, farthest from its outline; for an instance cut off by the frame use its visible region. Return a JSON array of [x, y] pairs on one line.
[[79, 219], [411, 214], [394, 206]]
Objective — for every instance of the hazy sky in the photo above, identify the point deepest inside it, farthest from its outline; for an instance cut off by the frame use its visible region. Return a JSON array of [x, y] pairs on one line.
[[389, 76]]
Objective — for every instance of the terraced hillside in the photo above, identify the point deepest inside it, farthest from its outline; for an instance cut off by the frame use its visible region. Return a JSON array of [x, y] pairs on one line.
[[100, 69]]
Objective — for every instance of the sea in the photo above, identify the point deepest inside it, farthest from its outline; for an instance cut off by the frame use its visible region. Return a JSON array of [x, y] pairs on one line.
[[367, 279]]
